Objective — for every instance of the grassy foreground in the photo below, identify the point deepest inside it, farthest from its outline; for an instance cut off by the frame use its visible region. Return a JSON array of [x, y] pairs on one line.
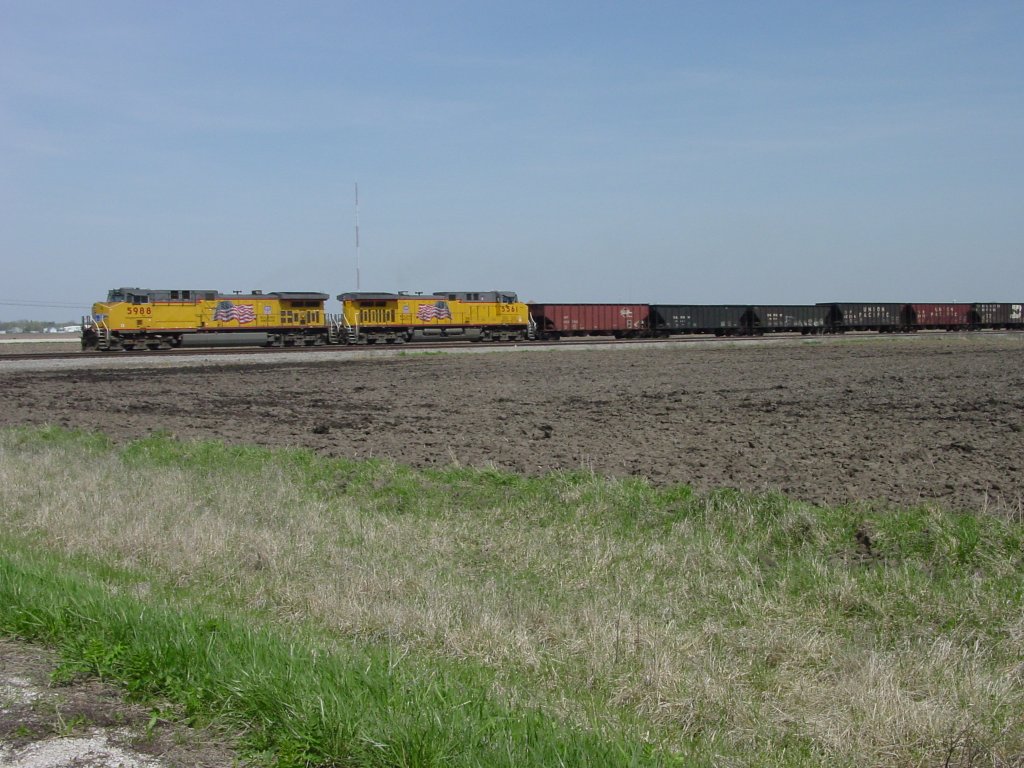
[[367, 614]]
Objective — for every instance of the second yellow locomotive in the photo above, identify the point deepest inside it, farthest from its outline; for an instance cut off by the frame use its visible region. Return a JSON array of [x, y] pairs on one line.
[[367, 318]]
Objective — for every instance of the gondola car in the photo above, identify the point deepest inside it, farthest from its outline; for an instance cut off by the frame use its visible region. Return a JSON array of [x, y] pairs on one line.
[[719, 319], [807, 319], [998, 316], [623, 321], [137, 318], [938, 317], [876, 316]]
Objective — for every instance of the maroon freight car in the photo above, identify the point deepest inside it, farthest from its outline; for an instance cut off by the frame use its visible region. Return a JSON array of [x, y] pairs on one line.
[[620, 320], [948, 317]]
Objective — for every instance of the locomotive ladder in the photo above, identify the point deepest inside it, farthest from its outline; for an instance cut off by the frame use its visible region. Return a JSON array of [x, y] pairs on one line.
[[339, 331], [102, 335], [351, 331], [99, 328]]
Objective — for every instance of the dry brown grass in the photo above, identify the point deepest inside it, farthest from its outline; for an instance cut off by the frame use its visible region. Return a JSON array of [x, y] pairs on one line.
[[682, 627]]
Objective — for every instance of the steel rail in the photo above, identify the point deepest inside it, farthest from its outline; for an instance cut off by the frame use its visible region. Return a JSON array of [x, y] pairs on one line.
[[462, 344]]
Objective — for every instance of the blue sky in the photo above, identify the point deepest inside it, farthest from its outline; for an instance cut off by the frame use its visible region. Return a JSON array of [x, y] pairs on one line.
[[692, 152]]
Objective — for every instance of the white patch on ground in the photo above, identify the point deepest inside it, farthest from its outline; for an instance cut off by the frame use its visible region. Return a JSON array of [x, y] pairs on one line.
[[92, 751], [39, 723], [17, 690]]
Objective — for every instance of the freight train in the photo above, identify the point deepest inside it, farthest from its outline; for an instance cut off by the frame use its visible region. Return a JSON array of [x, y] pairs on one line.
[[142, 318]]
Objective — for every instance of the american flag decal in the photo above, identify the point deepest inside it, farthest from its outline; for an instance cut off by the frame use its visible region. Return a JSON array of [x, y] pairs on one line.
[[436, 311], [227, 311]]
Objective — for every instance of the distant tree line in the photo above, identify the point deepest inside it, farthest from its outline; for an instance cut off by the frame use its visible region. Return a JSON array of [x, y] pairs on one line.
[[33, 326]]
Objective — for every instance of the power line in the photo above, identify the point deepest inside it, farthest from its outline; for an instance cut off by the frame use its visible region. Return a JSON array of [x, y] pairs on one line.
[[47, 304]]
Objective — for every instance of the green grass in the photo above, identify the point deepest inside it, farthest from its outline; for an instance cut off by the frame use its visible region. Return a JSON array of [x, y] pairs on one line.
[[300, 701], [632, 622]]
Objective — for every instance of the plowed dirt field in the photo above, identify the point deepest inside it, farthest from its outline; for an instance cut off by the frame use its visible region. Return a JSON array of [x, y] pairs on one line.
[[898, 420]]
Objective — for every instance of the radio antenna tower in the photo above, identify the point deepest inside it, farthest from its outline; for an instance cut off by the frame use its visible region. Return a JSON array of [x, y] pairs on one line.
[[357, 235]]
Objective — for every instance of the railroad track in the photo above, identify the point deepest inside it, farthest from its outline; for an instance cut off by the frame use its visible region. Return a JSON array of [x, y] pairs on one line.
[[456, 345], [141, 353]]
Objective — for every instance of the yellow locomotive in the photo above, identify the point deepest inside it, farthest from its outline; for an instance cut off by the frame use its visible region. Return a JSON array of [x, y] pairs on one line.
[[134, 318], [367, 318]]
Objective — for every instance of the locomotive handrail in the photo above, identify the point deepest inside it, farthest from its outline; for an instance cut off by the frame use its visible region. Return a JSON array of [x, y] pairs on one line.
[[95, 333], [339, 328]]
